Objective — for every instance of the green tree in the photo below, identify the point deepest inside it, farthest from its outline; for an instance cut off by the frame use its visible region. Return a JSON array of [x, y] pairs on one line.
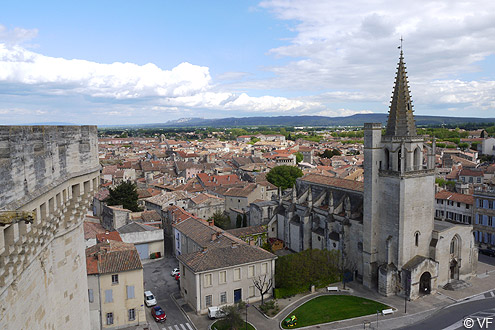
[[221, 220], [124, 194], [327, 154], [299, 157], [233, 315], [284, 176]]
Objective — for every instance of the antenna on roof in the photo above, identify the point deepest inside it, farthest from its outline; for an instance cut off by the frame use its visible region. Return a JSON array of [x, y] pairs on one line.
[[400, 47]]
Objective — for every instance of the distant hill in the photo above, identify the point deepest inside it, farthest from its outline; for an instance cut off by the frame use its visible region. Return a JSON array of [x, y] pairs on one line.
[[354, 120]]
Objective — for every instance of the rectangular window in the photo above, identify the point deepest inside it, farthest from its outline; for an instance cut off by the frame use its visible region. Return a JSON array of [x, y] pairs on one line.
[[108, 296], [251, 271], [222, 277], [115, 279], [109, 318], [130, 292], [208, 300], [264, 268], [467, 206], [237, 274], [490, 221], [207, 280], [251, 291], [90, 295], [132, 314], [458, 204], [223, 298]]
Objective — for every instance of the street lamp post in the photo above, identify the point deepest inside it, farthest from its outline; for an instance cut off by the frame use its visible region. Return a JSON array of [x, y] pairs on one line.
[[377, 319]]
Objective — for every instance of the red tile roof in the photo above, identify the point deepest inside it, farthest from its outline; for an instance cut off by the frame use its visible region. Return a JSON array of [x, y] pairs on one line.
[[112, 257], [108, 236], [456, 197]]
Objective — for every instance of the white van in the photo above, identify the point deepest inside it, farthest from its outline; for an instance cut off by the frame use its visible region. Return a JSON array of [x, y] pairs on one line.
[[215, 313]]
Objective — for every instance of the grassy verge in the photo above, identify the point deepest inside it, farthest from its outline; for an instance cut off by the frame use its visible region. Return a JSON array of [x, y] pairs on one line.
[[331, 308], [222, 325]]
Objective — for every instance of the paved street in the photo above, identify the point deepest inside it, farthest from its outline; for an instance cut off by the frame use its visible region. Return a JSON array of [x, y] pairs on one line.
[[158, 280], [451, 317]]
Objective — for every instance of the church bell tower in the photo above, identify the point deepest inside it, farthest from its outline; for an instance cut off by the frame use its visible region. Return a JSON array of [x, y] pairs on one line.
[[398, 190]]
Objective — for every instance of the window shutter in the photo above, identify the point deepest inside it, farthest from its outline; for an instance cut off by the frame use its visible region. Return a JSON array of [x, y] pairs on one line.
[[108, 296], [90, 295], [130, 292]]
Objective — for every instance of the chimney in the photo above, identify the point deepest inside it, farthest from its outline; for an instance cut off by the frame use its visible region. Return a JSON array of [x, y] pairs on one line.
[[251, 242], [205, 249], [213, 236], [212, 222], [235, 244]]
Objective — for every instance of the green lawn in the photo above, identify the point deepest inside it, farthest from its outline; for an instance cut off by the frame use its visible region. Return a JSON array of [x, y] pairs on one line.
[[331, 308], [222, 325]]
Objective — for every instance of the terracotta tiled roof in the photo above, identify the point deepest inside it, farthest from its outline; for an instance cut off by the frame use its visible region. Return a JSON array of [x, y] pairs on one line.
[[462, 198], [102, 194], [228, 256], [468, 172], [91, 229], [218, 180], [112, 257], [149, 216], [108, 236], [252, 230], [243, 191], [204, 197], [335, 182]]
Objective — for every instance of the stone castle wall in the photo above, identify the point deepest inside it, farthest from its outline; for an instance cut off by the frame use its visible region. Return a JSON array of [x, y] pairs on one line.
[[53, 172]]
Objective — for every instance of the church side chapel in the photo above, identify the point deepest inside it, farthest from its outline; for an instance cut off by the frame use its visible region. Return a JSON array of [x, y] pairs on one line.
[[384, 227]]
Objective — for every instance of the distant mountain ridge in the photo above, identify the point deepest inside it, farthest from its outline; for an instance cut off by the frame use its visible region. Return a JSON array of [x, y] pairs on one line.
[[354, 120]]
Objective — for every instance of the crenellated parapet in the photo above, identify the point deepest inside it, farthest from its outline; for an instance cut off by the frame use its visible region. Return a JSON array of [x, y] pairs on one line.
[[48, 176]]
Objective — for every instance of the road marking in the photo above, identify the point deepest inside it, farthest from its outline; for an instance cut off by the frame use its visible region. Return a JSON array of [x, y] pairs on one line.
[[454, 326], [176, 327], [188, 326], [183, 327]]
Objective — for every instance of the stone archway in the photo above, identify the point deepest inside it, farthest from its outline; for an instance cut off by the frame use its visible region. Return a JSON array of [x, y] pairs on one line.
[[425, 283]]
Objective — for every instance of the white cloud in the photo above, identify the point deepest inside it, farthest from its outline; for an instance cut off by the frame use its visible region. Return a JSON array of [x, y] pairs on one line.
[[17, 35], [115, 80], [353, 45], [341, 112], [243, 102], [179, 90]]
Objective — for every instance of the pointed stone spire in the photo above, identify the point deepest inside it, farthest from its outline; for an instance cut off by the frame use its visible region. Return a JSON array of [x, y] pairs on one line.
[[400, 117]]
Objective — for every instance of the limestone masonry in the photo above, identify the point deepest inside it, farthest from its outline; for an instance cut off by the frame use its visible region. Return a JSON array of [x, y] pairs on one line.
[[48, 175]]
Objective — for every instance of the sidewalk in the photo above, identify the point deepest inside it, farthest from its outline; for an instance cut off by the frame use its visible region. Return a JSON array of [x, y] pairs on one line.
[[417, 310]]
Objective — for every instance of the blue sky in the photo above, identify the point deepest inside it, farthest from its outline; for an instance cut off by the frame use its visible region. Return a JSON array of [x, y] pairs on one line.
[[118, 62]]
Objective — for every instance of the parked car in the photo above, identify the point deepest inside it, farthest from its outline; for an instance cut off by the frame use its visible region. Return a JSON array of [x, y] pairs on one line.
[[149, 299], [175, 271], [488, 252], [215, 312], [158, 314]]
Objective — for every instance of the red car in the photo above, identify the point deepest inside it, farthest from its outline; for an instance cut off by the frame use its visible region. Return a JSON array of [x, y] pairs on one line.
[[177, 277], [158, 314]]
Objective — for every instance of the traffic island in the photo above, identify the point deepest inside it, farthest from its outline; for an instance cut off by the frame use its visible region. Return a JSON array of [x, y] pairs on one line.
[[330, 308]]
